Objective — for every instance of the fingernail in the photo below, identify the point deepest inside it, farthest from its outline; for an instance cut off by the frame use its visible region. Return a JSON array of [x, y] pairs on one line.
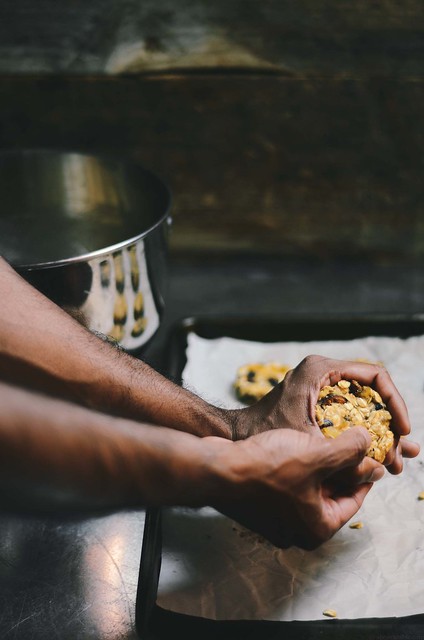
[[377, 474]]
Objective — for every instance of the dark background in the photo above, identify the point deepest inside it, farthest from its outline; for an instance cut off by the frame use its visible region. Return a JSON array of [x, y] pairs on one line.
[[284, 128]]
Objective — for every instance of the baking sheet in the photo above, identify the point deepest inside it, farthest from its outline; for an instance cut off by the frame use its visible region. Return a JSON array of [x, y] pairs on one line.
[[214, 568]]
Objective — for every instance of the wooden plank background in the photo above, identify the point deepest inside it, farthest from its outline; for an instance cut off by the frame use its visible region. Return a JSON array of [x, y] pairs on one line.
[[371, 37], [281, 127]]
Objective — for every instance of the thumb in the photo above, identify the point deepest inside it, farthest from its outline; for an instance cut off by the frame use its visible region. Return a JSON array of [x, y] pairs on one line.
[[347, 450]]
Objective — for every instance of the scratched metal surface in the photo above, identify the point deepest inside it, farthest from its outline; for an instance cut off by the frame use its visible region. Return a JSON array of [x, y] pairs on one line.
[[70, 579]]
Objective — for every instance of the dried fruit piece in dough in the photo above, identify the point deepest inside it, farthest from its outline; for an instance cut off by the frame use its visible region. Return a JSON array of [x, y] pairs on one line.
[[255, 380], [349, 404]]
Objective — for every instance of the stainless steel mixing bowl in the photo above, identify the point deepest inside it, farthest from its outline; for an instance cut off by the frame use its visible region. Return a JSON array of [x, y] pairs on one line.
[[90, 232]]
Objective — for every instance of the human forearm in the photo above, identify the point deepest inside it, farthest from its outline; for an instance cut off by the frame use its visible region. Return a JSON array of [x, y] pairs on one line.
[[57, 455], [42, 347]]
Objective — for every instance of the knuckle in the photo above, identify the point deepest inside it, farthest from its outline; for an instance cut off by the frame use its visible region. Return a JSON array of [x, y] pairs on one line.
[[329, 453], [286, 379], [334, 376], [383, 374], [360, 445], [361, 441], [381, 370], [310, 361]]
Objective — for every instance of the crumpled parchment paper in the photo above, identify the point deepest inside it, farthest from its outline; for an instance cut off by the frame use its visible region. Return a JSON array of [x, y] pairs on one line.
[[214, 568]]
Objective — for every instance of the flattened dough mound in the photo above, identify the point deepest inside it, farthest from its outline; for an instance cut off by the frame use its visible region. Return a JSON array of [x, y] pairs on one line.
[[348, 404], [255, 380]]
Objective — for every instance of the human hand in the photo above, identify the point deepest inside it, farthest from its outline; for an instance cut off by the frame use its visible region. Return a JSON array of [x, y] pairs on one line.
[[292, 403], [281, 484]]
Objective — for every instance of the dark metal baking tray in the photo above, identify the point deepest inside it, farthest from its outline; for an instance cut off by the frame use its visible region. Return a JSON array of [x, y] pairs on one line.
[[156, 623]]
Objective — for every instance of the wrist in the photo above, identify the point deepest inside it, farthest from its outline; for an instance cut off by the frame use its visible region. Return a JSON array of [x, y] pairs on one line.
[[180, 469], [216, 470], [229, 468]]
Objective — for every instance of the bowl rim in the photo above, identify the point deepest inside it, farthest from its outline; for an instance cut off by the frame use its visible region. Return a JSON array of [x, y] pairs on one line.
[[97, 253]]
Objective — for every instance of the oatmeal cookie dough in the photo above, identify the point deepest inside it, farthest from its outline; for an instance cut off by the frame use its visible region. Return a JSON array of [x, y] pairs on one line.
[[254, 381], [348, 404]]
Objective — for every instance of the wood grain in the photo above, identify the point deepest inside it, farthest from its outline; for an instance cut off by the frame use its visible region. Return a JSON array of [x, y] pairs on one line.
[[330, 37], [323, 166]]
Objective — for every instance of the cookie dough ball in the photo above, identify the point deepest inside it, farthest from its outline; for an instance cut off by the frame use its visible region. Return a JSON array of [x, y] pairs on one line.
[[254, 381], [348, 404]]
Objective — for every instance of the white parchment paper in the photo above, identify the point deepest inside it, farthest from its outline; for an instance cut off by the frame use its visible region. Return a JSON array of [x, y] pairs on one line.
[[214, 568]]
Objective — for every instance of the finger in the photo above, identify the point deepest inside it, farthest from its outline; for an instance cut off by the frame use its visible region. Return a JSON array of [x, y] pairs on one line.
[[404, 449], [394, 401], [368, 470], [337, 510], [318, 371], [347, 450], [390, 455], [344, 507], [379, 379], [409, 448], [396, 466]]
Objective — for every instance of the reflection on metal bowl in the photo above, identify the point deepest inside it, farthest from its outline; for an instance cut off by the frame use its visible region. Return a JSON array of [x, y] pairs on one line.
[[90, 232]]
